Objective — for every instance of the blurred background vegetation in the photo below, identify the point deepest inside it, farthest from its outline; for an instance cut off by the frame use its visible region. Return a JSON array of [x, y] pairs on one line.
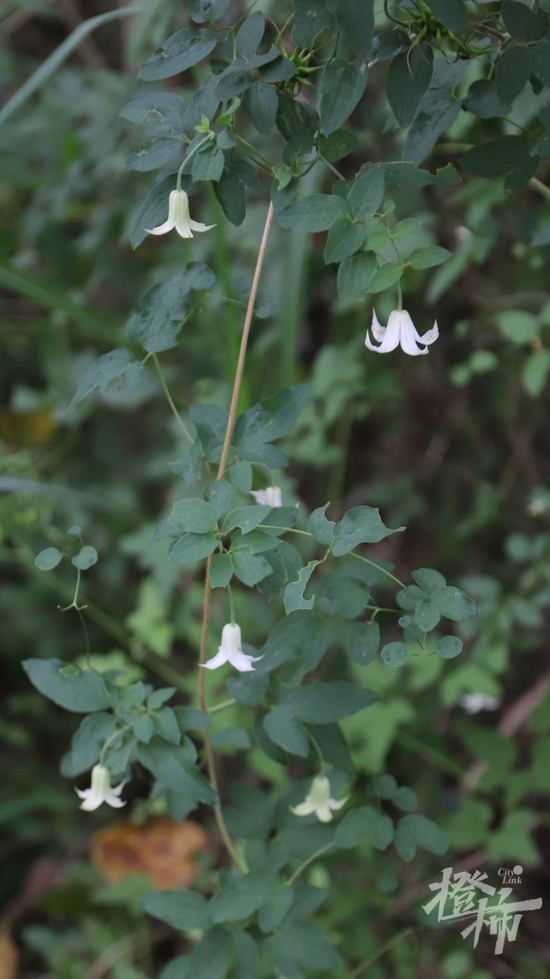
[[454, 445]]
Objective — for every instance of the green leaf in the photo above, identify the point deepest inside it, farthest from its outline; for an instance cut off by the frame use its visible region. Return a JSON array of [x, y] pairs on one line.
[[362, 525], [158, 316], [48, 559], [363, 642], [540, 59], [86, 743], [436, 113], [221, 571], [426, 616], [284, 730], [298, 945], [260, 103], [323, 703], [512, 73], [249, 568], [426, 258], [496, 158], [246, 953], [81, 691], [451, 13], [166, 725], [183, 50], [153, 154], [385, 277], [192, 547], [454, 603], [520, 20], [417, 831], [321, 528], [246, 517], [342, 86], [250, 34], [394, 654], [356, 20], [355, 275], [86, 557], [366, 193], [344, 238], [342, 595], [482, 100], [293, 597], [159, 114], [407, 80], [449, 646], [272, 419], [310, 18], [212, 956], [104, 372], [428, 579], [184, 910], [194, 515], [233, 81], [314, 213], [338, 144], [208, 163], [173, 769], [535, 372], [362, 822], [203, 10], [143, 728]]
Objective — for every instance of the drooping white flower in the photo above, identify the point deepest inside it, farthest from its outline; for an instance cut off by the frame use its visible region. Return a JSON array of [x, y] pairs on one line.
[[179, 218], [318, 800], [101, 791], [230, 651], [271, 496], [473, 703], [400, 331]]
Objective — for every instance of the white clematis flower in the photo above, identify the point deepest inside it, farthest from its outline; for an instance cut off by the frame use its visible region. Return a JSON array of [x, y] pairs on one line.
[[101, 791], [271, 496], [179, 218], [231, 651], [473, 703], [318, 800], [399, 331]]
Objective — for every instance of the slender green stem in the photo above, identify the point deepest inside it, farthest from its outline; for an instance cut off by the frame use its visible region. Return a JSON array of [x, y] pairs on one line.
[[331, 167], [377, 608], [231, 604], [399, 296], [116, 734], [306, 863], [378, 567], [207, 139], [430, 754], [222, 706], [381, 951], [267, 163], [168, 396]]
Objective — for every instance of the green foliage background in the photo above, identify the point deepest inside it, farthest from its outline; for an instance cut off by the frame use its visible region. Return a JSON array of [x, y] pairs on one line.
[[453, 446]]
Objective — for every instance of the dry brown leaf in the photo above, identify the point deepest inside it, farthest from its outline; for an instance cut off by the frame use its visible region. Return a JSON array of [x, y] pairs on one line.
[[160, 847], [8, 956]]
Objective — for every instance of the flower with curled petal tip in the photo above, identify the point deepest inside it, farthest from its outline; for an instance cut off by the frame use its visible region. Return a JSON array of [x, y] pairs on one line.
[[271, 496], [400, 331], [101, 791], [318, 800], [230, 651], [179, 218]]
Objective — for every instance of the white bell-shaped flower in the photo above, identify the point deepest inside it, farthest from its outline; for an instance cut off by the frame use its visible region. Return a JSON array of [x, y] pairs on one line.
[[318, 800], [179, 218], [271, 496], [230, 651], [101, 791], [400, 331], [473, 703]]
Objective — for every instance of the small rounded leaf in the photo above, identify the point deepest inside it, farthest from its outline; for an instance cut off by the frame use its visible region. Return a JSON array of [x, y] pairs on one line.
[[86, 557], [449, 647], [48, 559], [395, 654]]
